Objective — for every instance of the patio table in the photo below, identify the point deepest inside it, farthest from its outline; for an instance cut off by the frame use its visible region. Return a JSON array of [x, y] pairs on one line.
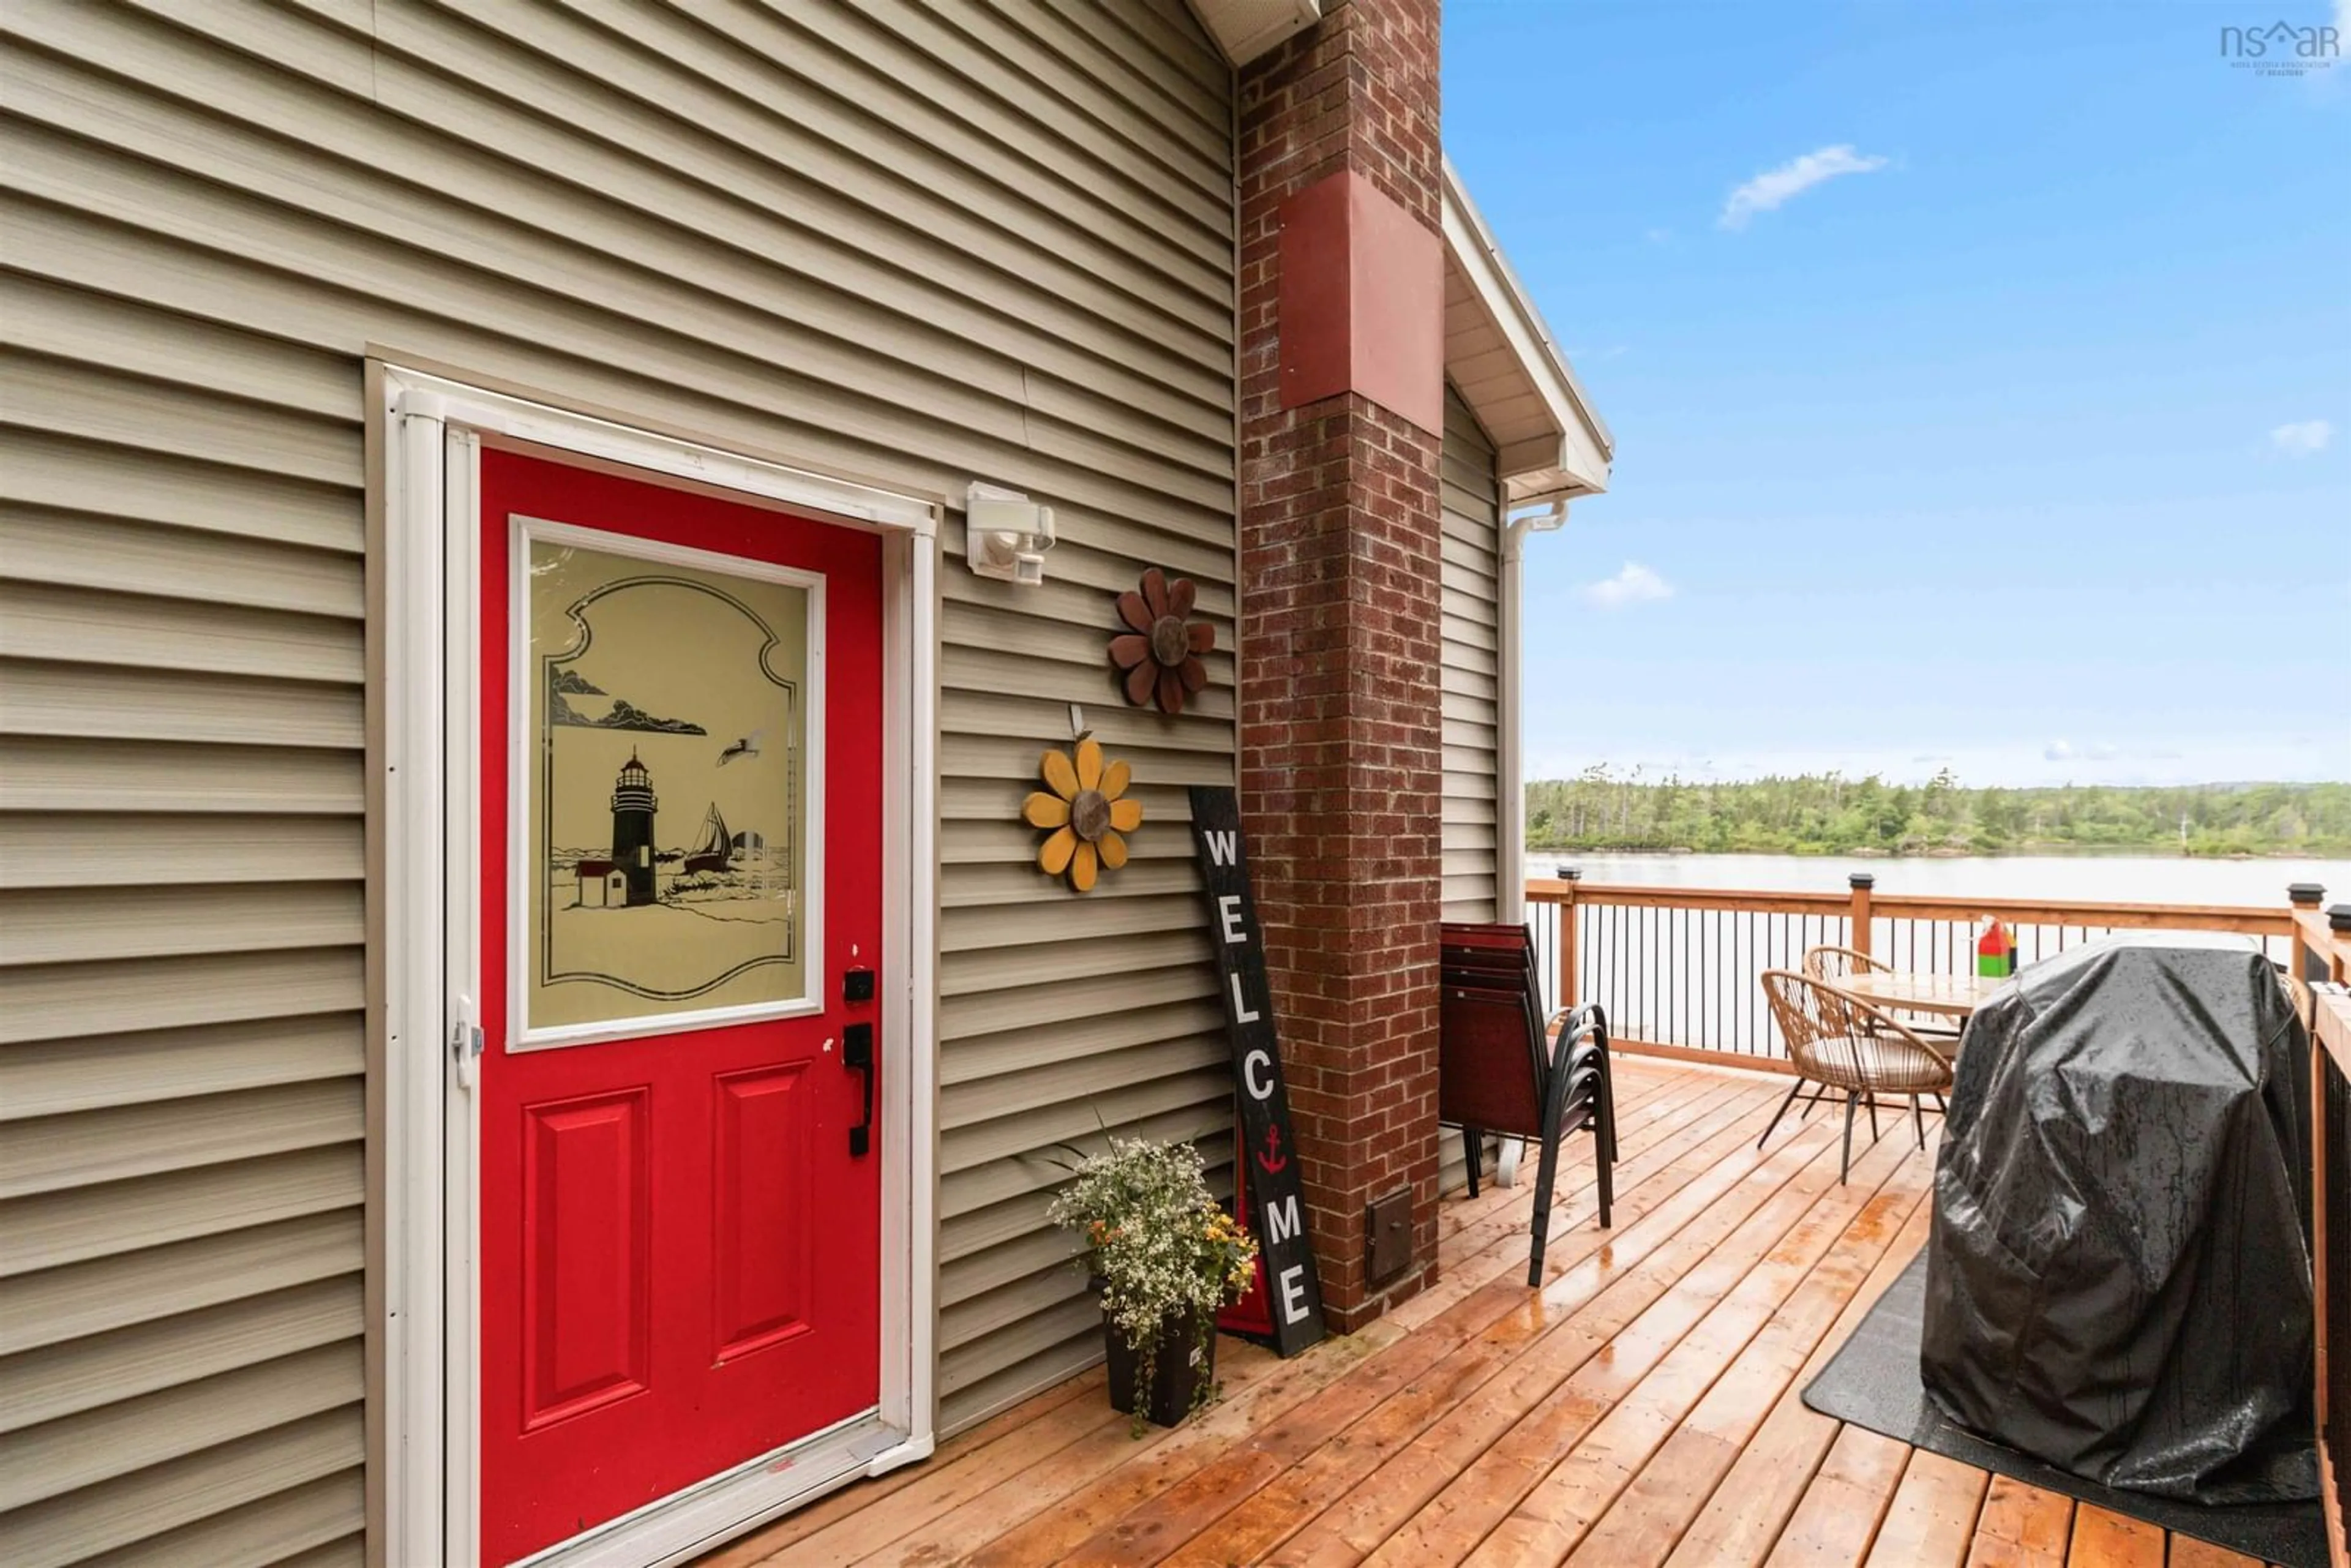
[[1946, 996]]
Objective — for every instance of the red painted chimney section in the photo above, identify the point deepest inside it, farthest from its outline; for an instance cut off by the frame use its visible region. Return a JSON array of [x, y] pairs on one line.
[[1361, 301]]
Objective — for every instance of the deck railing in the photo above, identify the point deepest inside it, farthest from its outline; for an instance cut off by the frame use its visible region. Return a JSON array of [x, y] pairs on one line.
[[2322, 957], [1677, 967]]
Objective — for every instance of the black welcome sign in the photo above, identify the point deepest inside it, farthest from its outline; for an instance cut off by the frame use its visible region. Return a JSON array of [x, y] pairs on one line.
[[1275, 1216]]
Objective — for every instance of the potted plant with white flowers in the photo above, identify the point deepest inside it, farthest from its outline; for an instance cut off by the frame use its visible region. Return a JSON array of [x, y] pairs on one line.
[[1165, 1257]]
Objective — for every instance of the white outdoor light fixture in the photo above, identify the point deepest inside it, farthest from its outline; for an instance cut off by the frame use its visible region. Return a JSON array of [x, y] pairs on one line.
[[1006, 534]]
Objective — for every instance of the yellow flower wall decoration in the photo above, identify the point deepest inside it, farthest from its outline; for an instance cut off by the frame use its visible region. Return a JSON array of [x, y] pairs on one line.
[[1087, 811]]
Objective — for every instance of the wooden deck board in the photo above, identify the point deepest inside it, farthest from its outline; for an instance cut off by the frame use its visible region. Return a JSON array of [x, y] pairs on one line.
[[1645, 1524], [1474, 1334], [2186, 1552], [1576, 1315], [1642, 1410], [2104, 1539], [1149, 1532], [1742, 1519], [1587, 1485], [1837, 1519], [2022, 1527], [1932, 1519], [1500, 1509]]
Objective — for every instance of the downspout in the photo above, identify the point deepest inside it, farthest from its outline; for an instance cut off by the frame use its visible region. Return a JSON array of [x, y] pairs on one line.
[[1509, 788]]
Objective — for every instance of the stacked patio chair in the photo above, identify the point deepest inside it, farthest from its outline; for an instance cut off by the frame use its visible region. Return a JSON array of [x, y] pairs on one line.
[[1840, 1041], [1499, 1071]]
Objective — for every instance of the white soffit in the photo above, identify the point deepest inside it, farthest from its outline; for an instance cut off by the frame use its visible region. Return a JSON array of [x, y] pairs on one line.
[[1245, 29], [1509, 370]]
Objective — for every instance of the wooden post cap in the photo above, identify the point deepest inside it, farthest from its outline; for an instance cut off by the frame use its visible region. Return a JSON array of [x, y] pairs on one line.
[[2338, 917], [1862, 879], [2304, 894]]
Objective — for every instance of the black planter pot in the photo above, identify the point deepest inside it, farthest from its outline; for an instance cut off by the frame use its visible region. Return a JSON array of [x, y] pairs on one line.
[[1173, 1378]]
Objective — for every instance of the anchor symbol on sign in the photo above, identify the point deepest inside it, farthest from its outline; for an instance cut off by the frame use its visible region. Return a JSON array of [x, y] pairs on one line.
[[1271, 1158]]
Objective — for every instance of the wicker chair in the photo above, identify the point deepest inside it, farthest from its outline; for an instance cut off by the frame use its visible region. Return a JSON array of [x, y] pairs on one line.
[[1840, 1041], [2298, 992], [1829, 965]]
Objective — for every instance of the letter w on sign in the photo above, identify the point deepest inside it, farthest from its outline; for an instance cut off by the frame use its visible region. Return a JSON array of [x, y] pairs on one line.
[[1294, 1297]]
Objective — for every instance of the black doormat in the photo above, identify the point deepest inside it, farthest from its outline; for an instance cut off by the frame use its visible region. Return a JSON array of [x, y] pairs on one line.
[[1873, 1382]]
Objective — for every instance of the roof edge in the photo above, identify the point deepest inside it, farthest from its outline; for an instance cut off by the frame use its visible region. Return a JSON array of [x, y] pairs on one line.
[[1477, 253], [1244, 29]]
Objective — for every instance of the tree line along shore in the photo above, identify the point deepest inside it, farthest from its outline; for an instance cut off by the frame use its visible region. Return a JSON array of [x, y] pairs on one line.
[[1831, 814]]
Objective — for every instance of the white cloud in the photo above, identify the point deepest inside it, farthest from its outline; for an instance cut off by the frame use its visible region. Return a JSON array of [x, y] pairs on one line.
[[1636, 584], [1773, 187], [2057, 751], [2303, 438]]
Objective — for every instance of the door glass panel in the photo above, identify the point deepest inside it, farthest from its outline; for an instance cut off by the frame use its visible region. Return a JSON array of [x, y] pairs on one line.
[[666, 852]]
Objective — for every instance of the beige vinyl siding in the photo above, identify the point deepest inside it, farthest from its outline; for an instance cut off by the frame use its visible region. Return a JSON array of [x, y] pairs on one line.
[[922, 243], [1472, 524]]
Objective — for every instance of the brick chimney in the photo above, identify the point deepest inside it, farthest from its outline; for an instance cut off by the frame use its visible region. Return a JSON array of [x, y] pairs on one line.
[[1342, 365]]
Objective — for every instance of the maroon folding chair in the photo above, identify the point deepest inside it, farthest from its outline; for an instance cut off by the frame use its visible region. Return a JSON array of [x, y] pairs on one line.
[[1483, 953], [1497, 1072]]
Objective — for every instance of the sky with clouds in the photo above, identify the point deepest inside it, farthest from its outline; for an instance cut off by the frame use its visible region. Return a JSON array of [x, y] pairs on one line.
[[1980, 378]]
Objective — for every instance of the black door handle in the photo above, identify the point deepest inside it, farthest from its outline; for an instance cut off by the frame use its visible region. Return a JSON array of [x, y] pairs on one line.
[[857, 1055]]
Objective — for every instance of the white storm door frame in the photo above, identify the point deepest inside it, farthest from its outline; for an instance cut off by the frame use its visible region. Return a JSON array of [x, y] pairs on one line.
[[433, 431]]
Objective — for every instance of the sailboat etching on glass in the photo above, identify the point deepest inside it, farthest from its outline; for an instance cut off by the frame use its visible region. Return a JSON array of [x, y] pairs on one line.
[[668, 793]]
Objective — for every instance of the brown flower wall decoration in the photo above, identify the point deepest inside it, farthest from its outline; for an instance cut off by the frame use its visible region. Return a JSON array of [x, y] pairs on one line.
[[1161, 650], [1087, 811]]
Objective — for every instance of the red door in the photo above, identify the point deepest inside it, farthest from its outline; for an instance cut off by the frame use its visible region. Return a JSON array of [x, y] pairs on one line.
[[682, 848]]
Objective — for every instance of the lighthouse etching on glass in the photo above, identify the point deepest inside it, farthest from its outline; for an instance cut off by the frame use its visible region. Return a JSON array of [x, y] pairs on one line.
[[669, 795]]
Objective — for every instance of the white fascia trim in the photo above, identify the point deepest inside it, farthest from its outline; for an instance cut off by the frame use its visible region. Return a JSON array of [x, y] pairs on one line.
[[1586, 445], [520, 419]]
